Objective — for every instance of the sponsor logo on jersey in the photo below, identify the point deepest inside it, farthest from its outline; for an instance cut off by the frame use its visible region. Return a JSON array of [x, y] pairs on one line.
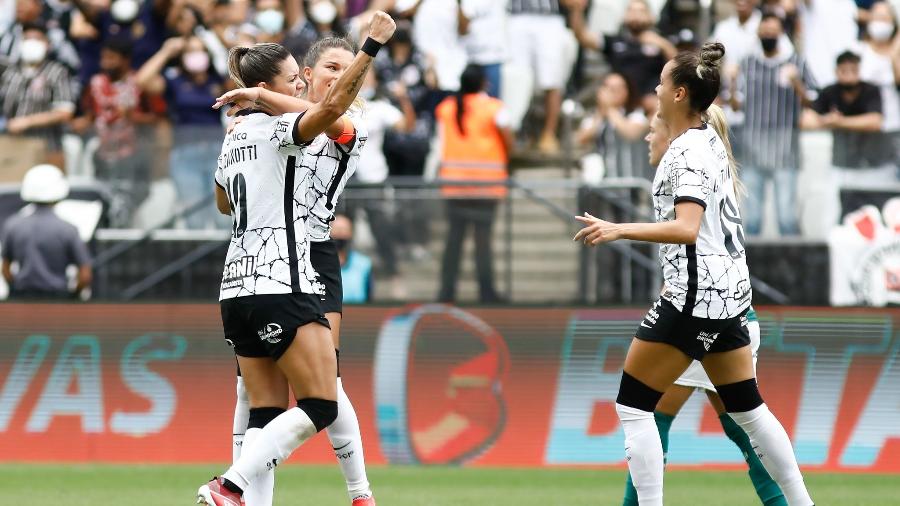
[[708, 338], [236, 271], [270, 333]]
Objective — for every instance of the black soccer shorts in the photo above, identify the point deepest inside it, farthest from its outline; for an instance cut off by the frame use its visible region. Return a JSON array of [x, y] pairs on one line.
[[694, 336], [265, 325]]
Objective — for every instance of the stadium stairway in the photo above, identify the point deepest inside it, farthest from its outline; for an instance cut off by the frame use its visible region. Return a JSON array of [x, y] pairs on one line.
[[545, 264]]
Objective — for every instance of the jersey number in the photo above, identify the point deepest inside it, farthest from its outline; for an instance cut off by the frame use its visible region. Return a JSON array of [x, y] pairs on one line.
[[237, 197], [732, 228]]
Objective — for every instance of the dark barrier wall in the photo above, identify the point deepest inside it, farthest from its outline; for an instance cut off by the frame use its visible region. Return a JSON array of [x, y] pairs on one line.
[[431, 384]]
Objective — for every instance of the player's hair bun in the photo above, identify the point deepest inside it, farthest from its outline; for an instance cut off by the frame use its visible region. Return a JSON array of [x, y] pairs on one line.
[[711, 55]]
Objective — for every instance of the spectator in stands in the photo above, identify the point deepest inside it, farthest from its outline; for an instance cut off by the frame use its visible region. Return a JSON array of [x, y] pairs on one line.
[[320, 19], [537, 32], [382, 116], [475, 140], [142, 22], [637, 52], [37, 96], [616, 129], [114, 106], [771, 87], [880, 65], [829, 29], [227, 19], [851, 109], [190, 86], [356, 267], [34, 12], [404, 67], [482, 24], [39, 245], [786, 10], [739, 33], [435, 32]]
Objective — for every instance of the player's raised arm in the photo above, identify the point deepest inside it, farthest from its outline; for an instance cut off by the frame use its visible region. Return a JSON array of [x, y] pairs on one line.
[[341, 95]]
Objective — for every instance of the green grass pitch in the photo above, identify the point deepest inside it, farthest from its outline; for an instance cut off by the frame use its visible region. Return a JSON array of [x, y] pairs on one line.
[[81, 485]]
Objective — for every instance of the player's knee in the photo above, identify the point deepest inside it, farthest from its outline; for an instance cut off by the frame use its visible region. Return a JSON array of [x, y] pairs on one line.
[[740, 397], [322, 412], [260, 417], [635, 394]]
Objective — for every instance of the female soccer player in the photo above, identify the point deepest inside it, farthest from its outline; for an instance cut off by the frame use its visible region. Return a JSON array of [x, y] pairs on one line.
[[270, 295], [695, 377], [331, 160], [701, 313]]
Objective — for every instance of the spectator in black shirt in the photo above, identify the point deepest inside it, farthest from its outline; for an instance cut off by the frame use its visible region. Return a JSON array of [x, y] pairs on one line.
[[852, 110], [638, 52]]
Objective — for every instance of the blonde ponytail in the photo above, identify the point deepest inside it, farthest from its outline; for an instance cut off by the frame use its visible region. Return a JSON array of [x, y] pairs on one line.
[[715, 117]]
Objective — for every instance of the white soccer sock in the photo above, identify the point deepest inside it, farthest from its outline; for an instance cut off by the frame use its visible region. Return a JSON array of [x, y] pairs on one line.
[[347, 444], [261, 490], [241, 419], [275, 443], [773, 447], [644, 454]]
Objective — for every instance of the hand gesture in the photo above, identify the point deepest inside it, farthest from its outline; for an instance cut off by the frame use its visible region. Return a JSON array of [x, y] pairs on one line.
[[596, 231], [790, 73], [174, 46], [831, 119], [382, 27], [239, 99]]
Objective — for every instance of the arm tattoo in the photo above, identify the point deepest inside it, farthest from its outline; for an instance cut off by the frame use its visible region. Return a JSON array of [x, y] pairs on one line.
[[356, 84]]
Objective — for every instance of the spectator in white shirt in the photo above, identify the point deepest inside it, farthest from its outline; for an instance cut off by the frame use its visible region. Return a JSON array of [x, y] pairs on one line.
[[483, 26], [880, 65], [829, 29]]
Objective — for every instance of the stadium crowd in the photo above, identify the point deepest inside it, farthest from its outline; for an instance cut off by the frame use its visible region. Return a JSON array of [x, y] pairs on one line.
[[119, 92]]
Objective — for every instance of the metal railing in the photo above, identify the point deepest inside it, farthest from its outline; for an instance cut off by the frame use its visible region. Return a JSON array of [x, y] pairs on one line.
[[634, 257]]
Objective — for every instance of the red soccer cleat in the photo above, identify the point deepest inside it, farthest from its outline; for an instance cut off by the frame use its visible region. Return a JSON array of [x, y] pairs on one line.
[[365, 500], [215, 494]]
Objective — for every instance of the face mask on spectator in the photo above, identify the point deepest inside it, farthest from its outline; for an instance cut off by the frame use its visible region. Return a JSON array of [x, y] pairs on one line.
[[880, 30], [769, 44], [33, 51], [323, 13], [195, 61], [270, 21], [848, 87], [124, 11]]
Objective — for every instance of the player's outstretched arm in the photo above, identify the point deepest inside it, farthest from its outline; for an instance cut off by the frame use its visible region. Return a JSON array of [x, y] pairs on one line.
[[261, 99], [341, 95]]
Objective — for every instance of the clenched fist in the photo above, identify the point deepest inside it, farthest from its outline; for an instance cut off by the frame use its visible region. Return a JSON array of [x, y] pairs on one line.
[[381, 27]]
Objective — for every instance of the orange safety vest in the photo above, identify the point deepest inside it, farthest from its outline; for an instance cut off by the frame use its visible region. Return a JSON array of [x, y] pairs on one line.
[[479, 155]]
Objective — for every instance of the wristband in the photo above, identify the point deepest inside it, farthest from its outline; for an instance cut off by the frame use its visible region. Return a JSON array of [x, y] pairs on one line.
[[371, 47]]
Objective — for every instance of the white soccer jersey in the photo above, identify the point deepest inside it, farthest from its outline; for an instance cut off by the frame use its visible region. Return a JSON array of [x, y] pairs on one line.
[[260, 170], [708, 279], [330, 166]]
